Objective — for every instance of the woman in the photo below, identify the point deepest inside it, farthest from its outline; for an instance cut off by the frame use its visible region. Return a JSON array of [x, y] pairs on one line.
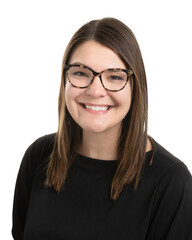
[[101, 176]]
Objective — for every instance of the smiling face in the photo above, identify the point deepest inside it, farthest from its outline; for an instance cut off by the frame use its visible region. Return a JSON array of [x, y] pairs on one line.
[[95, 109]]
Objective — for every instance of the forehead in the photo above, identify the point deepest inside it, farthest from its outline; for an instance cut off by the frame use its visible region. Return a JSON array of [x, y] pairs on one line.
[[96, 56]]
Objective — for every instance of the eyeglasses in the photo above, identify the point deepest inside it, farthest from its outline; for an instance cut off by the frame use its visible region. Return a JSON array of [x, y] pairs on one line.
[[113, 79]]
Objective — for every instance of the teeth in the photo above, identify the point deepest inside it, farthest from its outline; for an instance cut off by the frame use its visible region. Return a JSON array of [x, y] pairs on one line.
[[96, 108]]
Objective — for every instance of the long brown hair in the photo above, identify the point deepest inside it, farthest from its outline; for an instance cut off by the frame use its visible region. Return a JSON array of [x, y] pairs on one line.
[[115, 35]]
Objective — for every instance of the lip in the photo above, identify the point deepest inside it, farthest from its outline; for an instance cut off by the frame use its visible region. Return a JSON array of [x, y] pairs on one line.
[[99, 105]]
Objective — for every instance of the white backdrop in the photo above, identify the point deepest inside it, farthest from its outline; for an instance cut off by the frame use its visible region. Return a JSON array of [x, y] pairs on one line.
[[33, 37]]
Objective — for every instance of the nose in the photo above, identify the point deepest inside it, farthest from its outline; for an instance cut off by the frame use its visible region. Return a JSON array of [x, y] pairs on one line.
[[96, 88]]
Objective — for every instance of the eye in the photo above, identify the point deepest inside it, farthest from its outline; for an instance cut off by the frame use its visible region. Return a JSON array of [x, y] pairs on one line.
[[114, 75], [115, 78], [80, 74]]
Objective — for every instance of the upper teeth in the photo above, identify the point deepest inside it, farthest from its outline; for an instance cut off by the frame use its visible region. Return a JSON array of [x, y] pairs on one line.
[[96, 108]]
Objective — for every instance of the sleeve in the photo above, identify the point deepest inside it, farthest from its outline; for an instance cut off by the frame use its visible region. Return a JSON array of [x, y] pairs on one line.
[[172, 213]]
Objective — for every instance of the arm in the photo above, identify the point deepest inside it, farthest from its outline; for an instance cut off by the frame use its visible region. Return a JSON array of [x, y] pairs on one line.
[[22, 194], [31, 163]]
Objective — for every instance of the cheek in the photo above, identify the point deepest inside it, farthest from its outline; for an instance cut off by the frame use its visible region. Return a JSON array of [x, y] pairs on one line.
[[67, 89], [67, 95], [129, 94], [124, 98], [70, 92], [71, 96], [126, 106]]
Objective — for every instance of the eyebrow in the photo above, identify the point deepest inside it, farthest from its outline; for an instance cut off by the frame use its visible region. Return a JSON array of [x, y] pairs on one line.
[[79, 63]]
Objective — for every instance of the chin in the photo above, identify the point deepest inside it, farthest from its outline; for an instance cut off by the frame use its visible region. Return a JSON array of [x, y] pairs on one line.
[[94, 130]]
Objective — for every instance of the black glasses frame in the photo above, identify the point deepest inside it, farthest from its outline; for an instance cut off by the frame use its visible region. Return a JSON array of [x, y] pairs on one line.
[[98, 74]]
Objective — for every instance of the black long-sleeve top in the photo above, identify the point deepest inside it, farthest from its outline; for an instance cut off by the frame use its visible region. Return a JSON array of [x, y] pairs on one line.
[[160, 209]]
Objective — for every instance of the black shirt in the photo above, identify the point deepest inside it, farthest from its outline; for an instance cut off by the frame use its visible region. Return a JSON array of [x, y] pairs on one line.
[[160, 209]]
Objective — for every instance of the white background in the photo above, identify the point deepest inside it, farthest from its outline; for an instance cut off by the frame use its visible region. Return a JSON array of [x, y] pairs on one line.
[[33, 37]]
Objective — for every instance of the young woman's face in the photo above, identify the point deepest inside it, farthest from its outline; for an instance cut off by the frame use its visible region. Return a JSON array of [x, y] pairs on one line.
[[83, 104]]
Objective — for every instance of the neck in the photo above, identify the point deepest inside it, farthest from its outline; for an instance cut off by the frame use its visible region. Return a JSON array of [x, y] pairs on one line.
[[100, 145]]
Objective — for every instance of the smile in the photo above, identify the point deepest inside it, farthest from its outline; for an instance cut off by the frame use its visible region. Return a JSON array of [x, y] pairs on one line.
[[96, 108]]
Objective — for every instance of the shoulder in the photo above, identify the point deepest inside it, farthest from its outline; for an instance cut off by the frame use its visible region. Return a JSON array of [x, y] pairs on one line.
[[167, 162], [43, 144], [167, 170], [171, 184], [38, 151]]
